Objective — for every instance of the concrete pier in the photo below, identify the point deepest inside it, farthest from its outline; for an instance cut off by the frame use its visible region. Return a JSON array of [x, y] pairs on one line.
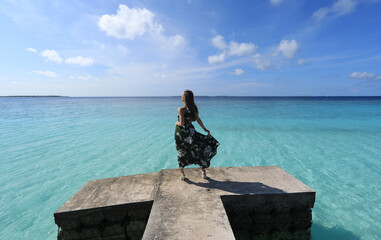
[[232, 203]]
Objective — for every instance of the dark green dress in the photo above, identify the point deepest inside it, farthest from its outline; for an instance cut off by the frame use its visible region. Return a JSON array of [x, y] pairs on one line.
[[192, 146]]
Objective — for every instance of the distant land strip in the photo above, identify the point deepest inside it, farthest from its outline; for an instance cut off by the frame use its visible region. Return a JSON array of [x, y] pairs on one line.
[[34, 96]]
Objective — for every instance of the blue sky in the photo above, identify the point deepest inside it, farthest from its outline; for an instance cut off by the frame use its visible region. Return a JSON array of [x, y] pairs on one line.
[[160, 48]]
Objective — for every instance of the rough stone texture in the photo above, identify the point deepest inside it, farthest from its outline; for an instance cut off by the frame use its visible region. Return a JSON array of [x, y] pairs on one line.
[[186, 210], [255, 200], [112, 191], [111, 208]]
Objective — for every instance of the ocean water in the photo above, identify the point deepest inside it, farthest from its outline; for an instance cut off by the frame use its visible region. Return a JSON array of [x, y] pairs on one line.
[[50, 147]]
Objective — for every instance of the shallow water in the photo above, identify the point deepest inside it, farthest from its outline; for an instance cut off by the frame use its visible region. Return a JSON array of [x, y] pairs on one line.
[[50, 147]]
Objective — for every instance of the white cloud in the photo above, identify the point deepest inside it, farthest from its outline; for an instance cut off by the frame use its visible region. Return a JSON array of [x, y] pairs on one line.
[[31, 50], [216, 58], [177, 40], [46, 73], [84, 77], [320, 14], [233, 49], [79, 60], [238, 72], [342, 7], [365, 75], [123, 49], [219, 42], [52, 56], [129, 23], [276, 2], [338, 8], [302, 61], [160, 75], [288, 48], [262, 63], [241, 49]]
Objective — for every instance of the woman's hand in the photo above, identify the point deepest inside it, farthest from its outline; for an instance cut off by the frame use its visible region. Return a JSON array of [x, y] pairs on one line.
[[206, 130], [177, 123]]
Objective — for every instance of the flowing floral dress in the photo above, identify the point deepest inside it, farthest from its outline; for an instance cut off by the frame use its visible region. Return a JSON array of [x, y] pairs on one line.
[[192, 146]]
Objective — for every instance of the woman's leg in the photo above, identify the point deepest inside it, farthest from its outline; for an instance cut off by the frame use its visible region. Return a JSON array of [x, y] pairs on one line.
[[182, 177], [203, 173]]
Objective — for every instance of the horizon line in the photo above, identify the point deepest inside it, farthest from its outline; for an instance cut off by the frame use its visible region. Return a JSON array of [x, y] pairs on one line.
[[146, 96]]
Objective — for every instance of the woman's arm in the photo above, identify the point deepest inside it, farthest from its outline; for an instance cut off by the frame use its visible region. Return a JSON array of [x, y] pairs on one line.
[[181, 117], [201, 124]]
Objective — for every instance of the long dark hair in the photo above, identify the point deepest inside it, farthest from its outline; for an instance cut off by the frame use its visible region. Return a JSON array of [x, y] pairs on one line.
[[189, 101]]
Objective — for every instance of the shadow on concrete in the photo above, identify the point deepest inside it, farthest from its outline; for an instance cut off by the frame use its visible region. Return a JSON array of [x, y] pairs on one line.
[[237, 187], [320, 232]]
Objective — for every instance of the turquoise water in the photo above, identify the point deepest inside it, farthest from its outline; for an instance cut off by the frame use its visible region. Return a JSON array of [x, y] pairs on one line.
[[50, 147]]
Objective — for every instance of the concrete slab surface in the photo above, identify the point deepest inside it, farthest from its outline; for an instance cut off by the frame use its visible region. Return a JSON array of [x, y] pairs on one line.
[[193, 209], [190, 209], [112, 191]]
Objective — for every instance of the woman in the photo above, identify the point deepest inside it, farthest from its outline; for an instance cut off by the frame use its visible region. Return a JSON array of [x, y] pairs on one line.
[[192, 146]]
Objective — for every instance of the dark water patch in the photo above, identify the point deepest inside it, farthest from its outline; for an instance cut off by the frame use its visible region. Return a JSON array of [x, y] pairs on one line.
[[334, 233]]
